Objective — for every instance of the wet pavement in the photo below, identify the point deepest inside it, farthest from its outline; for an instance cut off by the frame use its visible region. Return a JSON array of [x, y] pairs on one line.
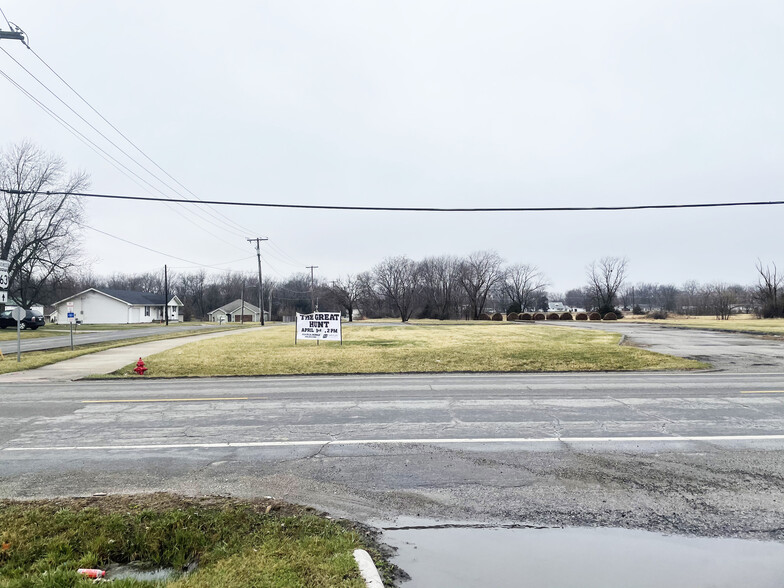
[[472, 557]]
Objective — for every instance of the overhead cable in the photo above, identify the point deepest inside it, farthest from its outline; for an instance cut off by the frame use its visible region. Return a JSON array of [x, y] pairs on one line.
[[423, 208]]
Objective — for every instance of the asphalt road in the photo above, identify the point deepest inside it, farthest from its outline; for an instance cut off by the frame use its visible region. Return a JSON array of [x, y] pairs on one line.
[[724, 350], [84, 338], [687, 453]]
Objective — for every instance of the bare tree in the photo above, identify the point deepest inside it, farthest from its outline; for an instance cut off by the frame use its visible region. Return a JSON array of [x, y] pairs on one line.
[[522, 284], [479, 273], [346, 293], [605, 279], [769, 292], [38, 230], [440, 282], [723, 299], [398, 279]]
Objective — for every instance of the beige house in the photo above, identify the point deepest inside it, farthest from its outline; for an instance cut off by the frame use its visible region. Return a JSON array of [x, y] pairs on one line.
[[237, 312]]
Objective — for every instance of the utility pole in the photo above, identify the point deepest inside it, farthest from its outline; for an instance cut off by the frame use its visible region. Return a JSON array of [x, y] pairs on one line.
[[242, 304], [166, 293], [17, 35], [258, 240], [312, 304]]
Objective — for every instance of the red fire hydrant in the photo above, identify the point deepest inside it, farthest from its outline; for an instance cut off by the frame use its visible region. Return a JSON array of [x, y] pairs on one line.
[[140, 369]]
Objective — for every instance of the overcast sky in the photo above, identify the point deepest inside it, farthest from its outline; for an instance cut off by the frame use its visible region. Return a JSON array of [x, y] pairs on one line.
[[444, 104]]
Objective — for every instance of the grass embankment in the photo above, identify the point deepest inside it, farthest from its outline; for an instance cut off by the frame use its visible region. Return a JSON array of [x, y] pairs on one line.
[[232, 543], [743, 323], [35, 359], [490, 347]]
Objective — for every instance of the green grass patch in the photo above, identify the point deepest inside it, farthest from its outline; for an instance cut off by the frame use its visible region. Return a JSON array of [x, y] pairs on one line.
[[35, 359], [473, 347], [231, 543]]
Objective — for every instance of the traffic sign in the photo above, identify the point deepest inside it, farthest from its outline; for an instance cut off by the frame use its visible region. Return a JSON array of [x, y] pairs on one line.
[[4, 274], [3, 297], [18, 313]]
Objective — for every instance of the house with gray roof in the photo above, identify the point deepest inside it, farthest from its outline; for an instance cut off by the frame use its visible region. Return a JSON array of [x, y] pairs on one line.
[[101, 306], [237, 311]]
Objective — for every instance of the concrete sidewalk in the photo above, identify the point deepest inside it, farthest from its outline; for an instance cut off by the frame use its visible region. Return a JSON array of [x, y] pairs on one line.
[[105, 362]]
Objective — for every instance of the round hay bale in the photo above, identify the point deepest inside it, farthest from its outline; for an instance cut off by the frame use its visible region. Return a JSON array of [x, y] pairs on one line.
[[539, 316], [484, 317], [610, 316], [582, 316], [525, 316], [567, 316], [512, 316], [498, 317], [553, 316], [595, 316]]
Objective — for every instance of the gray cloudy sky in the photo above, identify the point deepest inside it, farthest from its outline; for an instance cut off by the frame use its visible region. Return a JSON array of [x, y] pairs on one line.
[[447, 104]]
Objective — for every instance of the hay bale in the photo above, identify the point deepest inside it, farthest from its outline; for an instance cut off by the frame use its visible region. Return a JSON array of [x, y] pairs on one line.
[[484, 317], [582, 316], [498, 317], [553, 316], [595, 316], [539, 316], [525, 316], [512, 316], [610, 316], [567, 316]]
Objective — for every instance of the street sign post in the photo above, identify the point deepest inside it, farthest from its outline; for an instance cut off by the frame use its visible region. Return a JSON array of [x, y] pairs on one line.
[[18, 314], [71, 319]]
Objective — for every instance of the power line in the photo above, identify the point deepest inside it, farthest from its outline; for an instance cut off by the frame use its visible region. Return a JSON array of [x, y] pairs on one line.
[[231, 228], [107, 156], [194, 263], [420, 208], [134, 145]]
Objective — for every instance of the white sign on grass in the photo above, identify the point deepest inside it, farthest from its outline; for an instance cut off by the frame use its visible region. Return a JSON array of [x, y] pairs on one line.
[[321, 326]]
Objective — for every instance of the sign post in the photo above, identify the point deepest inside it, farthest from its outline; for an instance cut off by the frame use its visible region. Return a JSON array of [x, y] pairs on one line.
[[320, 326], [18, 314], [71, 319]]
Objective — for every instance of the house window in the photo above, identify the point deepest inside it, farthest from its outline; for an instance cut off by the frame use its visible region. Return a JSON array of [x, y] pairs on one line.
[[146, 311]]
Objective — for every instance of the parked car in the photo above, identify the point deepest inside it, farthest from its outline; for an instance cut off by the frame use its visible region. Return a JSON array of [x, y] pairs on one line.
[[32, 320]]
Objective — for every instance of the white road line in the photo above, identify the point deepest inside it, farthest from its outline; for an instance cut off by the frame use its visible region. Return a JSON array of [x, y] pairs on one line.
[[486, 441]]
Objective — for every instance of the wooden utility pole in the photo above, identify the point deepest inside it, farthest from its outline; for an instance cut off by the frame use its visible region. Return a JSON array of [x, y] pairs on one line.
[[258, 240], [312, 304], [166, 293]]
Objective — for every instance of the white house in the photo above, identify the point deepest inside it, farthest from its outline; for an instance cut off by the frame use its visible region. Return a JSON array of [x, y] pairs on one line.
[[234, 311], [94, 306], [11, 304]]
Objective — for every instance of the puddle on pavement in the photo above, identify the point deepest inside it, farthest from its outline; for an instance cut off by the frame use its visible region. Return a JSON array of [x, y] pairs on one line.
[[581, 558], [141, 572]]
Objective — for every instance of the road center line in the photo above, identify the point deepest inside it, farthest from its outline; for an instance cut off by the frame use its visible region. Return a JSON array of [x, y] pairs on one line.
[[466, 441], [168, 400]]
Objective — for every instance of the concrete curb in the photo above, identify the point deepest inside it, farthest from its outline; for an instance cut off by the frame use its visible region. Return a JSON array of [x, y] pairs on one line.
[[367, 569]]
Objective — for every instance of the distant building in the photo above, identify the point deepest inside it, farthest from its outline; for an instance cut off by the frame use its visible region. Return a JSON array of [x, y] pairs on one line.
[[234, 311], [557, 306], [102, 307]]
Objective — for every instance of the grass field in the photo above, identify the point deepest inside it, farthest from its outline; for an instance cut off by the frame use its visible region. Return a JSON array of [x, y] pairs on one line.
[[743, 323], [232, 543], [35, 359], [473, 347]]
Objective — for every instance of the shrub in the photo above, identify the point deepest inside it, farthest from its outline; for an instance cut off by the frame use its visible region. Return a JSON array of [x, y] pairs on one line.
[[524, 316], [610, 316], [512, 316], [539, 316], [484, 317], [498, 317], [582, 316], [553, 316], [567, 316], [595, 316], [658, 314]]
